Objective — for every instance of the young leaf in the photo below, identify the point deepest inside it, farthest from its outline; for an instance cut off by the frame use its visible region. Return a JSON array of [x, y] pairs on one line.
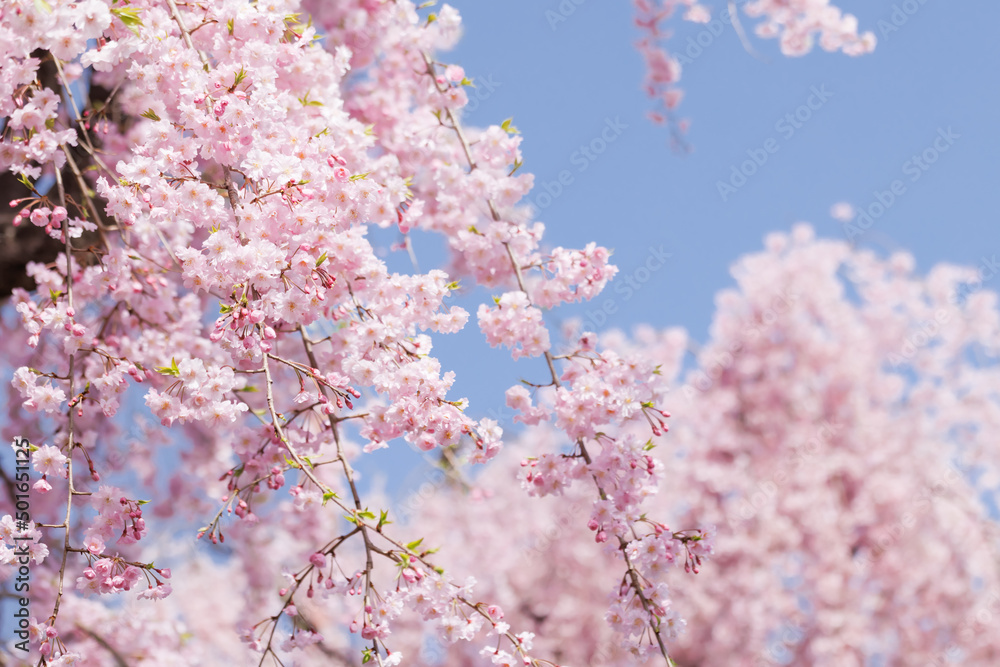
[[508, 127]]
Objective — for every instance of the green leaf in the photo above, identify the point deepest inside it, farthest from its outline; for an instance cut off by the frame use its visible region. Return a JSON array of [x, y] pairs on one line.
[[169, 370], [240, 76], [358, 177], [130, 17], [127, 16], [322, 258], [150, 114], [306, 102], [412, 546], [508, 127], [43, 6], [452, 285], [328, 496]]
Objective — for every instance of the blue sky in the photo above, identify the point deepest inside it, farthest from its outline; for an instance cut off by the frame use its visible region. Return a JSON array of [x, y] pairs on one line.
[[562, 81]]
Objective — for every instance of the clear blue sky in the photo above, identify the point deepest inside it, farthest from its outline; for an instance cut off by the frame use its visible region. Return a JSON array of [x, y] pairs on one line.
[[938, 70]]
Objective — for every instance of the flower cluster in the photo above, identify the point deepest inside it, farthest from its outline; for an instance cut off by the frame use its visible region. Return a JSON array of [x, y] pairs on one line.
[[795, 23]]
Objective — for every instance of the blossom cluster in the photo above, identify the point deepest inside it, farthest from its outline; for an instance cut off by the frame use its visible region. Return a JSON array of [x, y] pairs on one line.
[[795, 23]]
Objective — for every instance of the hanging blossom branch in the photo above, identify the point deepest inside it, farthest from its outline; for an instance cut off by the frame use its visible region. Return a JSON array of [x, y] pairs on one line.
[[105, 574], [642, 601]]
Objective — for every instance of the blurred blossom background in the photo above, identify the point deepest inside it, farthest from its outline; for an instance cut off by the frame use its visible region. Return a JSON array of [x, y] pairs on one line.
[[814, 266]]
